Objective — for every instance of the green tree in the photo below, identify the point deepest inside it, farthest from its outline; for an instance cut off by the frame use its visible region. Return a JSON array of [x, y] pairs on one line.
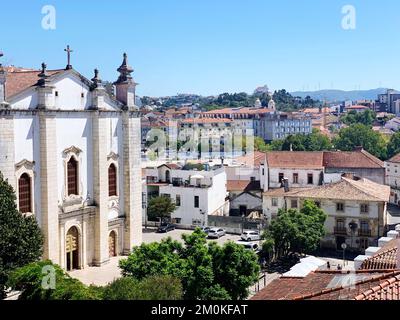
[[30, 278], [361, 135], [160, 207], [259, 144], [366, 117], [226, 260], [151, 288], [296, 232], [207, 272], [393, 147], [21, 240], [315, 141]]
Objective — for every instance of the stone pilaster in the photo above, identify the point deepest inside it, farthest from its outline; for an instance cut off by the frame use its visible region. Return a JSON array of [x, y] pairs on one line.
[[49, 191], [132, 182], [7, 148], [100, 188], [3, 75]]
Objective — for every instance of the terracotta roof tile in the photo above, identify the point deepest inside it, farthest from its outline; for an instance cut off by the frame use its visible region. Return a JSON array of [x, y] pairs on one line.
[[242, 185], [351, 159], [205, 120], [396, 158], [386, 258], [18, 79], [324, 286], [294, 159], [346, 189], [251, 159]]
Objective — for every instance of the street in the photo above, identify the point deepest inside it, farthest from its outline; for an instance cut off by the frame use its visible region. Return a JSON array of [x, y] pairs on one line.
[[150, 235]]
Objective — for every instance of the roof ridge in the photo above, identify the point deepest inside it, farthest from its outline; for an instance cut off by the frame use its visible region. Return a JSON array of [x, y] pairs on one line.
[[372, 158], [354, 183], [324, 291]]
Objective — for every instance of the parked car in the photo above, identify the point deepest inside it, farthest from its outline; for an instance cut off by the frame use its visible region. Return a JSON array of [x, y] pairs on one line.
[[166, 227], [250, 235], [205, 229], [216, 233], [253, 246]]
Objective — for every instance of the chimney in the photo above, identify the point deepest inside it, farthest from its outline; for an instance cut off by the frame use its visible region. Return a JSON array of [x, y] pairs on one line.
[[285, 184], [125, 86], [358, 149]]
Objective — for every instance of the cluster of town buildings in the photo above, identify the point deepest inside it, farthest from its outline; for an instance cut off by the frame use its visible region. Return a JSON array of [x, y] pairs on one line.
[[355, 189], [72, 152]]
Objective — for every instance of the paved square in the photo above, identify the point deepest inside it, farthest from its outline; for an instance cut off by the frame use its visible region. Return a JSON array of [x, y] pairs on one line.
[[101, 276]]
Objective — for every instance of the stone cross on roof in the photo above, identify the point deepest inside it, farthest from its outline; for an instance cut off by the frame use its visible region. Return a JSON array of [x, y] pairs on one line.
[[68, 51]]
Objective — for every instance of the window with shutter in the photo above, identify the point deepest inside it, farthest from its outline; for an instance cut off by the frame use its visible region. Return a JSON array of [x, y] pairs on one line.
[[112, 180], [72, 177], [25, 193]]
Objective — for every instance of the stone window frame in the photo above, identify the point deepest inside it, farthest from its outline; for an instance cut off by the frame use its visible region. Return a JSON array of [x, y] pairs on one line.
[[26, 167], [112, 158], [72, 152]]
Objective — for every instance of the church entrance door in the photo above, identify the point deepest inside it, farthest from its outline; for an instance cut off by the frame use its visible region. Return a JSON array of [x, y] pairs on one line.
[[111, 244], [72, 249]]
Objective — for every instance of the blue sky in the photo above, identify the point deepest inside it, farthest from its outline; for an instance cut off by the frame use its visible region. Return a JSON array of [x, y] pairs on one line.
[[212, 46]]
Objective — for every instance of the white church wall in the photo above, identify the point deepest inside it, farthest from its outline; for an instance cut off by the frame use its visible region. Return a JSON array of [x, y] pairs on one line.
[[24, 128], [75, 131], [26, 100], [70, 92]]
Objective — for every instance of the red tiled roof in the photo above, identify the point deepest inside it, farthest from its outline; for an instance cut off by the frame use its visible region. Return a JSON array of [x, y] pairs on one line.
[[252, 159], [386, 258], [294, 159], [206, 120], [239, 111], [351, 159], [328, 285], [386, 290], [18, 79], [396, 158], [356, 107], [242, 185]]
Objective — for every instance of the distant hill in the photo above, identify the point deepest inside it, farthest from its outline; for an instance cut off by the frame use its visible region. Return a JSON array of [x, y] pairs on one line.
[[340, 95]]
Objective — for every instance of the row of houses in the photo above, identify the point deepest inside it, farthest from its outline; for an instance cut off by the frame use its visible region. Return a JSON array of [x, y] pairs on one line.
[[354, 188]]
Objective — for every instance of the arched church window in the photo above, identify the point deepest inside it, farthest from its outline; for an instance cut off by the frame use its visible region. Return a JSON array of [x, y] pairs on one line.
[[112, 180], [25, 193], [72, 177]]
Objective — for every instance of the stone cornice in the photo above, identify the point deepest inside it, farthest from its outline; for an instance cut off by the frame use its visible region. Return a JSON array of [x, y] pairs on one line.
[[73, 150], [26, 164], [113, 156]]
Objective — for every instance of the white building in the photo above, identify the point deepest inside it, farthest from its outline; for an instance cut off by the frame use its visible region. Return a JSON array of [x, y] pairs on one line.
[[243, 176], [356, 209], [308, 169], [72, 153], [197, 190], [393, 178]]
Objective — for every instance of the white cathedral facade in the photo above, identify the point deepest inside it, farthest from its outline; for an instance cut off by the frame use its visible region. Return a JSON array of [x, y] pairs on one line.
[[71, 151]]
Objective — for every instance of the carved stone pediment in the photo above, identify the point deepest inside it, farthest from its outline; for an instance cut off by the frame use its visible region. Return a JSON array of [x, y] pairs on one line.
[[25, 164], [113, 156], [73, 150]]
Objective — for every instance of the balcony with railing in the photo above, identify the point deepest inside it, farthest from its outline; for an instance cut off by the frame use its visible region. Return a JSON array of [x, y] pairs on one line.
[[364, 232], [340, 230]]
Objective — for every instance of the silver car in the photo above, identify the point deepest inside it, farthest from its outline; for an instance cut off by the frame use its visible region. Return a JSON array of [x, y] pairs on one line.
[[250, 236], [249, 246], [216, 233]]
